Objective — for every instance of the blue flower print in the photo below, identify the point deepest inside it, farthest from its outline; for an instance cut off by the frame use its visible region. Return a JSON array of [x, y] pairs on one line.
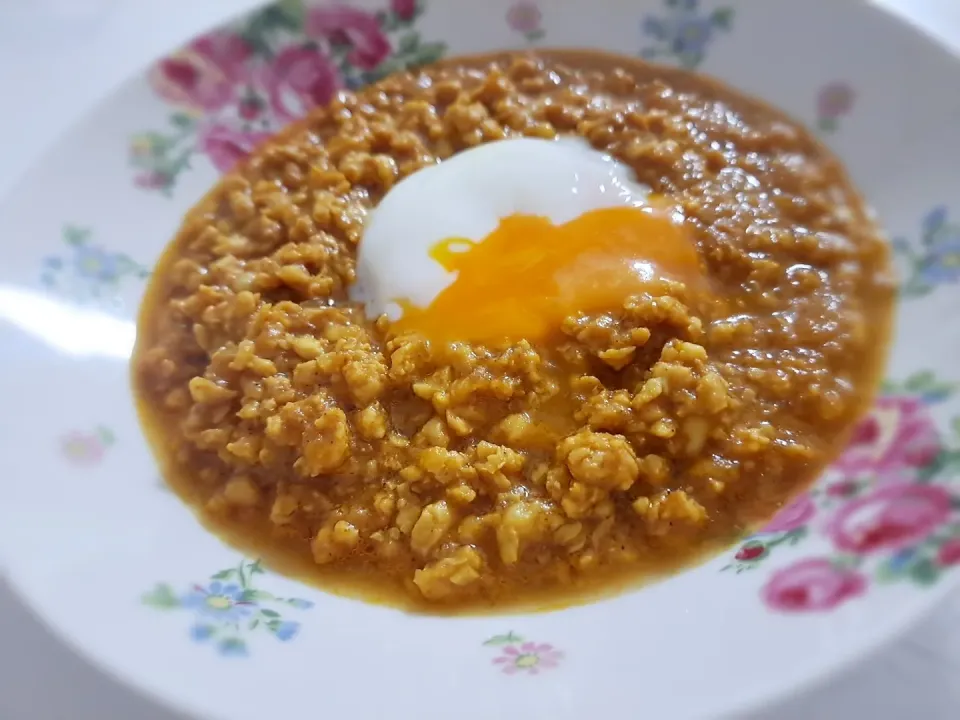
[[935, 260], [86, 272], [229, 609], [902, 559], [683, 33], [286, 630], [691, 37], [942, 265], [219, 601], [96, 264], [654, 27], [934, 221], [202, 632]]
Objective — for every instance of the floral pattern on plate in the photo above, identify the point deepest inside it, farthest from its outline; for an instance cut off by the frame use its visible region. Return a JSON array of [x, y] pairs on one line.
[[885, 512], [683, 31], [87, 272], [86, 448], [228, 609], [236, 86], [936, 261], [834, 101], [525, 18], [523, 656]]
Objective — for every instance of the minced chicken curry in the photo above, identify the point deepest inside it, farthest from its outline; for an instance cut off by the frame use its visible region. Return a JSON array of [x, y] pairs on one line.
[[449, 475]]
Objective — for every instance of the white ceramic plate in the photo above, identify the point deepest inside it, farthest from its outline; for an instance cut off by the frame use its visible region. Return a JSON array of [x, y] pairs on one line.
[[123, 570]]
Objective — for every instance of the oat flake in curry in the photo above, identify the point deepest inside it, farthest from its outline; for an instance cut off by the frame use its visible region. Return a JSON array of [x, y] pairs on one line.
[[448, 475]]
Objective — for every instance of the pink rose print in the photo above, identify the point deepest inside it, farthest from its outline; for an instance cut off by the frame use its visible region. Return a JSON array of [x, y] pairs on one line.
[[888, 512], [897, 435], [834, 100], [795, 515], [152, 180], [524, 17], [949, 552], [298, 79], [86, 449], [750, 552], [528, 657], [842, 489], [225, 146], [270, 68], [204, 75], [250, 108], [404, 9], [813, 585], [889, 518], [344, 25]]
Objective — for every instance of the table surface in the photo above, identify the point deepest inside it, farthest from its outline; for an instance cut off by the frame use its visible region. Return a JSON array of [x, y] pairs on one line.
[[58, 58]]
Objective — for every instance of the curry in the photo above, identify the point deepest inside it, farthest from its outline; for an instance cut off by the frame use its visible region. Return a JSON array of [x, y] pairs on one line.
[[444, 475]]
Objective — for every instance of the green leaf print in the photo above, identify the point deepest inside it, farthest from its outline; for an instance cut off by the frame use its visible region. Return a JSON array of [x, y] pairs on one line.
[[75, 236], [722, 18], [293, 9], [846, 561], [251, 595], [923, 383], [283, 17], [933, 468], [925, 572], [232, 646], [507, 639], [920, 381], [179, 120], [409, 43], [888, 573], [429, 52], [162, 597]]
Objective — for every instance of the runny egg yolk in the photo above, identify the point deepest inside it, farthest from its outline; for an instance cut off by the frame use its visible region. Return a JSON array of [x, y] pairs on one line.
[[524, 278]]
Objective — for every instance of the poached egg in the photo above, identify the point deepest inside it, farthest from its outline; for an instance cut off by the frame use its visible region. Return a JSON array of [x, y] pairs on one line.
[[505, 240]]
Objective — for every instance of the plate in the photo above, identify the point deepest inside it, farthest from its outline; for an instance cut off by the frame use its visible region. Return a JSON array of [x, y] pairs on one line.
[[122, 570]]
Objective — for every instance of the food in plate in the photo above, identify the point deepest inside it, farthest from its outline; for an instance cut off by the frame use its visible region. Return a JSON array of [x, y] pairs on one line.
[[513, 331]]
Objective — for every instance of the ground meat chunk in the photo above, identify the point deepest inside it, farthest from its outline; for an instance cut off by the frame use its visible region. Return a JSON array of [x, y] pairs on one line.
[[600, 459]]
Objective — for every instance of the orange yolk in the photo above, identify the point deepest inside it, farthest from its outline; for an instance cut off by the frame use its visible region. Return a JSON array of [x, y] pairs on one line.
[[528, 275]]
